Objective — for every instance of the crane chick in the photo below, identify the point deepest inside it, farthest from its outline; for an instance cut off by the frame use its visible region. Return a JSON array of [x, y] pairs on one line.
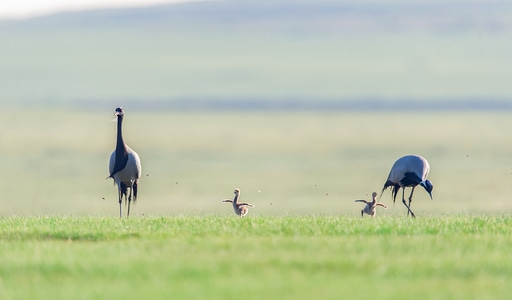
[[240, 208], [371, 206]]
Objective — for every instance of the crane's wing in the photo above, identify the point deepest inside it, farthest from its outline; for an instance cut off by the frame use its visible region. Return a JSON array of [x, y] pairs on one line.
[[380, 204], [364, 201], [136, 159], [227, 200], [246, 204]]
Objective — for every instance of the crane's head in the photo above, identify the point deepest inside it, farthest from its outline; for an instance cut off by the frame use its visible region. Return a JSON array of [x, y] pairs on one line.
[[119, 112], [237, 191], [427, 184]]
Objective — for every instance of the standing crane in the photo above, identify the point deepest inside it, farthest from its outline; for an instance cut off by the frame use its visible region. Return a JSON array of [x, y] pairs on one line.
[[124, 166], [408, 171], [240, 208], [370, 207]]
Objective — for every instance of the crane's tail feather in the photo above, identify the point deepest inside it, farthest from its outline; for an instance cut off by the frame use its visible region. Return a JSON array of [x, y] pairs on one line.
[[386, 185], [394, 189], [394, 192], [135, 188]]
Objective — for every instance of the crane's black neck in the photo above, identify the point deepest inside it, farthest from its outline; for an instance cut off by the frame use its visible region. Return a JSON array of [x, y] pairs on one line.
[[121, 156], [235, 200], [120, 145]]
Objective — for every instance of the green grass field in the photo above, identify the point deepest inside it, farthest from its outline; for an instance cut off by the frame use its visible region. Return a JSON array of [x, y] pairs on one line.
[[60, 236], [217, 257]]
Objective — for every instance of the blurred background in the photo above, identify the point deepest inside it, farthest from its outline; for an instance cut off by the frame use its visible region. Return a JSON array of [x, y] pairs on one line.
[[303, 105]]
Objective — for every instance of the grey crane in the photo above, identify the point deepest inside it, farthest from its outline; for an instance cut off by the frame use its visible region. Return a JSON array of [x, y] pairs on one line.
[[240, 208], [408, 171], [124, 166], [370, 207]]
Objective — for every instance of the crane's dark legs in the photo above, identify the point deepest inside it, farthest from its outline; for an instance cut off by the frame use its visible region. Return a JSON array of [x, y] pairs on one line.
[[408, 208], [410, 198], [129, 201], [130, 198], [120, 199]]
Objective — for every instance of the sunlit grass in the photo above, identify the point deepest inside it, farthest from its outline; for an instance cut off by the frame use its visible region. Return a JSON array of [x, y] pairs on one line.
[[287, 257]]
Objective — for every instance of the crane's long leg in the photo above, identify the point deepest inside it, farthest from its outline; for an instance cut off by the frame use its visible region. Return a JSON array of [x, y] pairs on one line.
[[130, 198], [120, 199], [403, 201], [129, 201], [410, 198]]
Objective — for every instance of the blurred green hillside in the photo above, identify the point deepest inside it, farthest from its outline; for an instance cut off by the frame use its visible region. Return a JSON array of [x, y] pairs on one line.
[[222, 53]]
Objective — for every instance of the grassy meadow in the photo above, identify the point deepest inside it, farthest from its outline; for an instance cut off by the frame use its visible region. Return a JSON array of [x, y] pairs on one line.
[[61, 238], [216, 257], [60, 75]]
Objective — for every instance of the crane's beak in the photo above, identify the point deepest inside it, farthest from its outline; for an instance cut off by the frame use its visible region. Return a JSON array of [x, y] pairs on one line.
[[116, 114], [428, 187]]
